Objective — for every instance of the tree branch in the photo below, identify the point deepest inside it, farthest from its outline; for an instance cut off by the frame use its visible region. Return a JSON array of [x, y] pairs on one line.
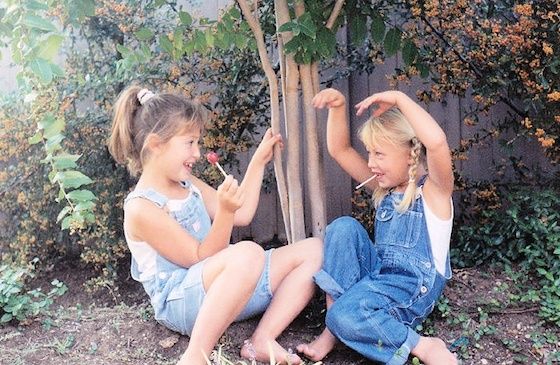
[[334, 15]]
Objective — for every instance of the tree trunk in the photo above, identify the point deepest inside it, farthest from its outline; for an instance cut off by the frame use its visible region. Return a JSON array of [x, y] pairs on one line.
[[274, 112], [290, 78], [315, 172]]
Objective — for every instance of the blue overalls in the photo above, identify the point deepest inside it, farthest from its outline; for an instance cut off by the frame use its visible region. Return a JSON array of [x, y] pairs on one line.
[[381, 291]]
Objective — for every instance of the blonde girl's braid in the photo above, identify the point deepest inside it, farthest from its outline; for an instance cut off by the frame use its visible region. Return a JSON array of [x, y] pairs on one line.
[[410, 192]]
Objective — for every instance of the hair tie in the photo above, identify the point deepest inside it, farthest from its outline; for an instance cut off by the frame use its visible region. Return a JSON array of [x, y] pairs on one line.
[[144, 95]]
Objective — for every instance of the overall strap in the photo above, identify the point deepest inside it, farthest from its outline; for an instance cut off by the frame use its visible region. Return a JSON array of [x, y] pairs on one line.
[[157, 198], [422, 180]]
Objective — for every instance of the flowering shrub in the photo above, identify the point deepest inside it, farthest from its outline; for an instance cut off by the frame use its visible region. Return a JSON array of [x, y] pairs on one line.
[[119, 50]]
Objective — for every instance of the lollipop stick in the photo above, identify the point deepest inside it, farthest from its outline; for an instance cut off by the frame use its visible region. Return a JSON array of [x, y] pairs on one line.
[[365, 182], [221, 169]]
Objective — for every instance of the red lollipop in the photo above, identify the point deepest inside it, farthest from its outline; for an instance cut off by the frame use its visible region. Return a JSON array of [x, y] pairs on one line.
[[213, 158]]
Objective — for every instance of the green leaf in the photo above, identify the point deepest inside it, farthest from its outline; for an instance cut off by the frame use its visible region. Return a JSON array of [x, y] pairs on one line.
[[392, 41], [423, 69], [53, 143], [36, 22], [307, 26], [42, 69], [358, 29], [63, 213], [85, 206], [81, 195], [209, 38], [286, 27], [143, 34], [409, 52], [326, 42], [38, 137], [7, 317], [65, 161], [71, 179], [66, 222], [377, 29], [124, 51], [166, 44], [35, 5], [186, 18], [49, 48], [51, 126]]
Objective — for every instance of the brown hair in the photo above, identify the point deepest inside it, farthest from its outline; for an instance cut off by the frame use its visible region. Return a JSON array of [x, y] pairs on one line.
[[165, 115], [393, 127]]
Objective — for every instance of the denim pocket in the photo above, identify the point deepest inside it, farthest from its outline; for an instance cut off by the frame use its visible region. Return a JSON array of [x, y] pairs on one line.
[[187, 218], [397, 229]]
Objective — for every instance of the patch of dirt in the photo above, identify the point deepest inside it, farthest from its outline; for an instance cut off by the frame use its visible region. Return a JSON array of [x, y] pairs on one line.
[[118, 327]]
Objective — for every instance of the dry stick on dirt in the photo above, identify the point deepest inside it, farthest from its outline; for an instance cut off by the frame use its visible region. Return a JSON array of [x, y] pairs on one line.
[[274, 112]]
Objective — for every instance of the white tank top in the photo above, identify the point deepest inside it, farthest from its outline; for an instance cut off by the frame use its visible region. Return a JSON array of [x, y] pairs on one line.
[[439, 231]]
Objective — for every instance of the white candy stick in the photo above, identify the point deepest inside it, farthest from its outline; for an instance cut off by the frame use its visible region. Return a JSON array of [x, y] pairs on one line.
[[365, 182], [221, 169]]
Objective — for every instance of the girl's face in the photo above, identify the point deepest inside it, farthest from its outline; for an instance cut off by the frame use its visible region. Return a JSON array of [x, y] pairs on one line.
[[179, 154], [390, 163]]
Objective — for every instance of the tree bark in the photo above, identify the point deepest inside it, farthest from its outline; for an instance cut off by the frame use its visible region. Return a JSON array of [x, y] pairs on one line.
[[290, 78], [315, 172], [274, 112]]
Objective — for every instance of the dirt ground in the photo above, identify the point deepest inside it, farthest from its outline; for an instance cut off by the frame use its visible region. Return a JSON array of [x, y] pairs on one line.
[[118, 327]]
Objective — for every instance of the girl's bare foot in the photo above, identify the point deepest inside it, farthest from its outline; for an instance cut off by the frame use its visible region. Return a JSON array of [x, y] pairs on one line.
[[433, 351], [259, 350], [320, 347]]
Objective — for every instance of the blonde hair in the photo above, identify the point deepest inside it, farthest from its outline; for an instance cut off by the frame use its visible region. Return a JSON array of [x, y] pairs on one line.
[[392, 127], [138, 114]]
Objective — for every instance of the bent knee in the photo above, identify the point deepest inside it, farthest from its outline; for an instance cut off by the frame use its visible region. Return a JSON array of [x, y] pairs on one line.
[[247, 255], [313, 251], [345, 223]]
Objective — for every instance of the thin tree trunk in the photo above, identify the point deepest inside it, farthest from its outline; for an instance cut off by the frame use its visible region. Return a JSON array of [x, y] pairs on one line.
[[290, 78], [314, 159], [274, 112]]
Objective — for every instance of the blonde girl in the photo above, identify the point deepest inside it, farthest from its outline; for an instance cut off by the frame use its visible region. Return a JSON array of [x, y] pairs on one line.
[[377, 293], [178, 230]]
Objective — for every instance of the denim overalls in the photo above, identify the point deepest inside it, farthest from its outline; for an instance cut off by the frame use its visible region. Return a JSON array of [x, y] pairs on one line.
[[176, 293], [381, 291]]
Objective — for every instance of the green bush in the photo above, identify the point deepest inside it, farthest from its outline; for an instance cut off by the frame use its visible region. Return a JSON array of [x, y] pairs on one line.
[[16, 303], [117, 53], [523, 229]]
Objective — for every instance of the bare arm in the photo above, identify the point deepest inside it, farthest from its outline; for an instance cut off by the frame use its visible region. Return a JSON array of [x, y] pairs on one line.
[[146, 222], [252, 181], [338, 135], [251, 184], [428, 132]]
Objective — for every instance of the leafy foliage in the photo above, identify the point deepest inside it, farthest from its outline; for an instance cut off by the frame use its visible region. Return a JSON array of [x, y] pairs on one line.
[[120, 44], [523, 228], [18, 304]]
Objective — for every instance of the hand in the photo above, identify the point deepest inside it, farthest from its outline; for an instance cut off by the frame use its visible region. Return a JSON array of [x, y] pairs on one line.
[[264, 152], [384, 101], [230, 196], [330, 98]]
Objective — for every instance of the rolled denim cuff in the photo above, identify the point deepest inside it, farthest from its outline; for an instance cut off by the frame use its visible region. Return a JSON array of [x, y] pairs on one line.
[[328, 284], [401, 355]]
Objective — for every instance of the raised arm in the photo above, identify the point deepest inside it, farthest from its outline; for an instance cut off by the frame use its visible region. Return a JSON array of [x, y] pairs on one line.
[[338, 135], [426, 129], [251, 184]]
